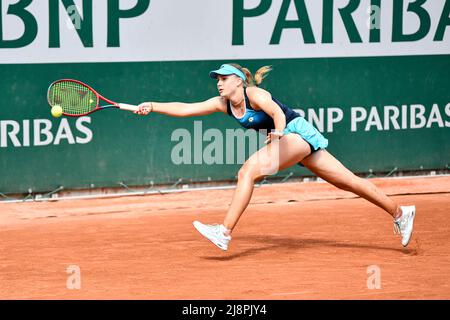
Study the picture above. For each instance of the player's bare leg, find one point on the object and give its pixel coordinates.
(327, 167)
(278, 155)
(274, 157)
(324, 165)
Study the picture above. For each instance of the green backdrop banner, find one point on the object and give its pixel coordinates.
(379, 113)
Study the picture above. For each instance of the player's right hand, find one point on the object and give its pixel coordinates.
(144, 109)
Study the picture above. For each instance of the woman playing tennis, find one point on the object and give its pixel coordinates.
(291, 140)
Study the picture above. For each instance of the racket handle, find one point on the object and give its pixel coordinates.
(128, 107)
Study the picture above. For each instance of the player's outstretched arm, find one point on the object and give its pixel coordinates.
(180, 109)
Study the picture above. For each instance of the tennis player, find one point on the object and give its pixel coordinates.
(291, 140)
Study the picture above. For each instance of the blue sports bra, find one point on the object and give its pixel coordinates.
(257, 120)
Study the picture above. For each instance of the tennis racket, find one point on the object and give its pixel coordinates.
(78, 99)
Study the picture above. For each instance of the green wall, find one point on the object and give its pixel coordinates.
(136, 150)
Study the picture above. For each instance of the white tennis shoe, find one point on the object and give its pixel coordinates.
(214, 233)
(404, 225)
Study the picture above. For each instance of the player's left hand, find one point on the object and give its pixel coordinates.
(273, 135)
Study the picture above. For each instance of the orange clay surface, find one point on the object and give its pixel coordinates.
(295, 241)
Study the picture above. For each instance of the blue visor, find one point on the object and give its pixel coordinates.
(226, 70)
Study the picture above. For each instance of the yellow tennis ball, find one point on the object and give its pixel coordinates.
(57, 111)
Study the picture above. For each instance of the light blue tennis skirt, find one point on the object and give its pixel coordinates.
(307, 131)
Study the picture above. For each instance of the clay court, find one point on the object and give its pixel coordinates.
(295, 241)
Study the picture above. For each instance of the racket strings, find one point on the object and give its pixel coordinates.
(74, 98)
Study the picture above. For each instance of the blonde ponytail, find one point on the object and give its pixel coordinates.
(259, 75)
(248, 76)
